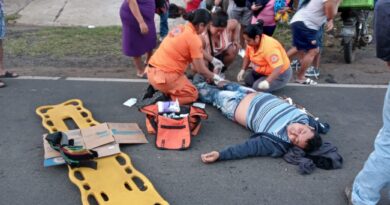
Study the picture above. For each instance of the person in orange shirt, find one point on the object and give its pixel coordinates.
(181, 47)
(269, 61)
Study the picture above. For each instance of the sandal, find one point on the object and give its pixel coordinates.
(307, 81)
(8, 74)
(2, 84)
(142, 76)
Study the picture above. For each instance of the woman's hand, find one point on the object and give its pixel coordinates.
(255, 7)
(329, 25)
(237, 45)
(240, 76)
(210, 157)
(144, 28)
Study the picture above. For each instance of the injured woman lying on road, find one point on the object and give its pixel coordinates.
(278, 125)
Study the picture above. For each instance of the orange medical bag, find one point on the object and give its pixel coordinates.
(174, 133)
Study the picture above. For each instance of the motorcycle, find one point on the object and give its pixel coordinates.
(354, 32)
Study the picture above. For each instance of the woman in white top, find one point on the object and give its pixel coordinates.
(224, 36)
(305, 26)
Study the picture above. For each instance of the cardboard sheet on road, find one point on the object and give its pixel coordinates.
(103, 138)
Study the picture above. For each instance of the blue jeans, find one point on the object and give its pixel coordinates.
(164, 24)
(226, 98)
(375, 174)
(2, 23)
(320, 37)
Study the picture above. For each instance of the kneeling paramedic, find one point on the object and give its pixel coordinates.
(182, 46)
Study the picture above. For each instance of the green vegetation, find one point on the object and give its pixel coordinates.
(65, 42)
(283, 34)
(80, 41)
(12, 17)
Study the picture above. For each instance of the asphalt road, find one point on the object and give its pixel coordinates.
(353, 113)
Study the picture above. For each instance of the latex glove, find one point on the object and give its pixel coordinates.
(263, 85)
(217, 79)
(240, 76)
(217, 63)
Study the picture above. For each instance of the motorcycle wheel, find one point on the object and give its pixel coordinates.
(349, 55)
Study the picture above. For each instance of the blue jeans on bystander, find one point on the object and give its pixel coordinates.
(375, 174)
(164, 24)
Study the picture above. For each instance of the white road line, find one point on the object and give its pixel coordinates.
(37, 78)
(108, 80)
(335, 85)
(323, 85)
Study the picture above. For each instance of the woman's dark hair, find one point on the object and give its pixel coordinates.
(198, 16)
(313, 143)
(219, 19)
(254, 30)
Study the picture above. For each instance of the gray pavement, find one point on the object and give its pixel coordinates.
(179, 176)
(72, 12)
(15, 6)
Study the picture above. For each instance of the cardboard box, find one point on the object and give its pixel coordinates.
(97, 136)
(103, 138)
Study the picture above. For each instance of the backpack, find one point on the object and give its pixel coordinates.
(173, 133)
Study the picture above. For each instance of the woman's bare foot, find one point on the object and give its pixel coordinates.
(2, 84)
(142, 75)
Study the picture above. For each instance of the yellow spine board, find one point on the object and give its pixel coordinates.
(115, 181)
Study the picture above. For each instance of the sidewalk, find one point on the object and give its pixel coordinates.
(72, 12)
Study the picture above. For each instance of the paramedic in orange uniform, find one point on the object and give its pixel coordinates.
(181, 47)
(267, 58)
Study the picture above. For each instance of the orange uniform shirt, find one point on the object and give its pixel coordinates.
(178, 49)
(269, 56)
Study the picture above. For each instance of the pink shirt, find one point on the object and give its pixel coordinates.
(267, 15)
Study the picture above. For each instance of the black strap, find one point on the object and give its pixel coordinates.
(211, 42)
(175, 127)
(210, 65)
(59, 142)
(90, 164)
(153, 122)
